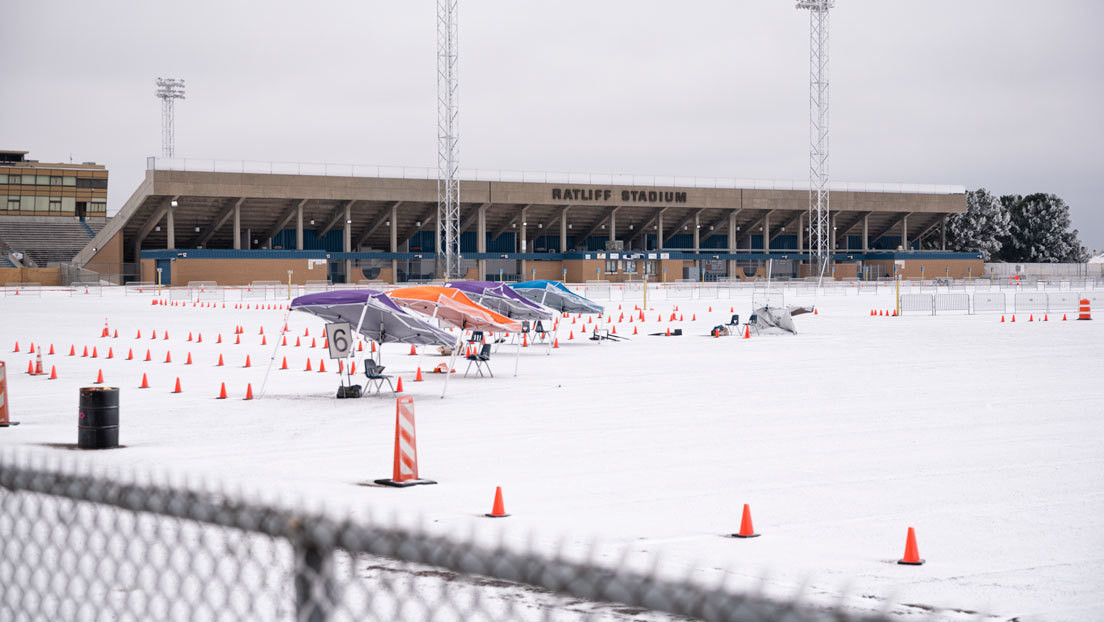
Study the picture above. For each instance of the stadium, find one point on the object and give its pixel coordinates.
(273, 390)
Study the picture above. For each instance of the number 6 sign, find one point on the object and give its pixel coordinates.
(340, 338)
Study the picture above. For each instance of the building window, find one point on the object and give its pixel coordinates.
(28, 180)
(68, 205)
(26, 204)
(630, 267)
(69, 180)
(55, 180)
(55, 204)
(98, 184)
(650, 267)
(43, 180)
(611, 266)
(3, 178)
(13, 204)
(15, 179)
(42, 204)
(97, 206)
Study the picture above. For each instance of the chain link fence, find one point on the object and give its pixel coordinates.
(80, 547)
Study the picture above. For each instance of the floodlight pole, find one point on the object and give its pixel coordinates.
(819, 230)
(168, 90)
(448, 153)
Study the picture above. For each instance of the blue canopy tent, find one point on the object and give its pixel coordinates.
(555, 295)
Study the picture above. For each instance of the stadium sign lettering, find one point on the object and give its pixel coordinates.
(604, 194)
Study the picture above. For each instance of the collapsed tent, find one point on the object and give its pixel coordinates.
(777, 320)
(556, 296)
(451, 306)
(501, 298)
(375, 315)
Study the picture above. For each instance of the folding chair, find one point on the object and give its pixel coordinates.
(539, 333)
(482, 361)
(735, 321)
(374, 372)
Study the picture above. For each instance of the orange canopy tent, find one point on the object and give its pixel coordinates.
(452, 307)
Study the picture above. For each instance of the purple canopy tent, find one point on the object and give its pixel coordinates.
(503, 299)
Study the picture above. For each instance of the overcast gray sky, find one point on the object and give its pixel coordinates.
(1005, 94)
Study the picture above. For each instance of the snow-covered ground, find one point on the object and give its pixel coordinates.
(984, 436)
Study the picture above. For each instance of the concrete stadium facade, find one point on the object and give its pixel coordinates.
(384, 226)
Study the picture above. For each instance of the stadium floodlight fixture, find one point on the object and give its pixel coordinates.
(173, 203)
(168, 90)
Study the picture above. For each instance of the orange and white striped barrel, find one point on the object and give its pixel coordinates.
(406, 446)
(1085, 312)
(3, 395)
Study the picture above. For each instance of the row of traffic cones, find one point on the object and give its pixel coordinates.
(1031, 318)
(883, 313)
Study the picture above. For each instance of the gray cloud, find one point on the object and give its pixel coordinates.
(1001, 94)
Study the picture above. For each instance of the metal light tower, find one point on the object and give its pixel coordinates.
(448, 127)
(168, 89)
(820, 229)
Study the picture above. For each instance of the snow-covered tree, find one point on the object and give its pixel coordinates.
(982, 228)
(1040, 231)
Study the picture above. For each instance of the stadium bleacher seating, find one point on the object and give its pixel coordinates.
(45, 241)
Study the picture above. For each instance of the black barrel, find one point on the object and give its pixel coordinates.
(99, 418)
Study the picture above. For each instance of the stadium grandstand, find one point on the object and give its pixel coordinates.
(238, 222)
(48, 211)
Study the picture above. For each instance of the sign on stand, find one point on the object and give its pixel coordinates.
(339, 336)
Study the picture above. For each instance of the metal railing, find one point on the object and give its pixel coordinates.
(82, 547)
(500, 175)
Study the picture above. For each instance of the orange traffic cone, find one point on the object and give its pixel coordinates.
(110, 353)
(815, 311)
(524, 341)
(31, 350)
(413, 352)
(912, 553)
(219, 340)
(747, 332)
(570, 335)
(148, 358)
(166, 337)
(398, 386)
(237, 339)
(314, 342)
(177, 388)
(308, 365)
(556, 343)
(219, 363)
(222, 392)
(283, 365)
(1046, 317)
(247, 362)
(746, 528)
(72, 350)
(264, 340)
(199, 338)
(154, 335)
(321, 365)
(16, 347)
(51, 352)
(249, 391)
(138, 335)
(1002, 319)
(1063, 317)
(130, 354)
(189, 337)
(53, 373)
(189, 361)
(99, 377)
(668, 331)
(297, 342)
(145, 382)
(498, 510)
(1013, 317)
(283, 340)
(30, 368)
(418, 376)
(1031, 318)
(168, 357)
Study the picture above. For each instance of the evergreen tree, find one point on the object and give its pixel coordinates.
(1039, 231)
(982, 228)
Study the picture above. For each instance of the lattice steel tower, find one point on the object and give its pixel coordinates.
(168, 89)
(820, 228)
(448, 154)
